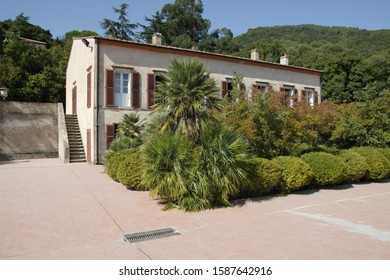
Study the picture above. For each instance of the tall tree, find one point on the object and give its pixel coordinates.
(121, 29)
(181, 23)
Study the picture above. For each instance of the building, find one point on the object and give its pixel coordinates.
(107, 78)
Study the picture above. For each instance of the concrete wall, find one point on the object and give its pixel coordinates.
(28, 130)
(63, 141)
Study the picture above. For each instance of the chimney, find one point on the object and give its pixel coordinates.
(284, 59)
(255, 55)
(156, 39)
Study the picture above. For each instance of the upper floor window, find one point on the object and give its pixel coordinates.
(122, 89)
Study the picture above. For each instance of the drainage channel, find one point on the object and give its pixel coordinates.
(149, 235)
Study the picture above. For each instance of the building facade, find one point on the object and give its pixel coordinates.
(107, 78)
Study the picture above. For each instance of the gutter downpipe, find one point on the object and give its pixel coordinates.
(97, 161)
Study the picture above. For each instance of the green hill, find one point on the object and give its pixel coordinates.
(356, 62)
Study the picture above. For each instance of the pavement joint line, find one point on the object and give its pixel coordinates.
(98, 201)
(346, 225)
(108, 213)
(328, 202)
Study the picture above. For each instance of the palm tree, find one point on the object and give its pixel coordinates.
(185, 94)
(130, 126)
(168, 166)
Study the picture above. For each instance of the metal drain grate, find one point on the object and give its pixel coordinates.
(149, 235)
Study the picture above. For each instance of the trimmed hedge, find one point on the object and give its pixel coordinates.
(296, 173)
(328, 169)
(378, 164)
(355, 166)
(129, 171)
(265, 177)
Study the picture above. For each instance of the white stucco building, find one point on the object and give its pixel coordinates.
(107, 78)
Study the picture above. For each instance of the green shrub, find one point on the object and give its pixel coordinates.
(265, 177)
(378, 165)
(386, 153)
(121, 144)
(129, 170)
(112, 164)
(328, 169)
(355, 166)
(296, 173)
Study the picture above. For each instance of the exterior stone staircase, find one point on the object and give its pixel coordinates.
(76, 148)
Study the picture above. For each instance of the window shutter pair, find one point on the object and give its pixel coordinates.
(135, 89)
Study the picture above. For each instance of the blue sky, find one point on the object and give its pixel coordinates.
(61, 16)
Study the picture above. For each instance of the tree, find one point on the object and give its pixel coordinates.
(181, 23)
(184, 95)
(120, 29)
(219, 41)
(130, 126)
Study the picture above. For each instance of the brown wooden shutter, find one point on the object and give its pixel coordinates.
(74, 100)
(151, 89)
(110, 134)
(284, 97)
(135, 86)
(110, 88)
(224, 88)
(303, 96)
(89, 96)
(316, 98)
(254, 91)
(295, 97)
(89, 145)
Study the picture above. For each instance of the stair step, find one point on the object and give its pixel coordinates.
(76, 148)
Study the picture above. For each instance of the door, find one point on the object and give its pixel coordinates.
(74, 100)
(89, 146)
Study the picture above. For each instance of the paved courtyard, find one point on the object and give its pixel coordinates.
(51, 210)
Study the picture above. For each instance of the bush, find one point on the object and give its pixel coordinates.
(386, 153)
(378, 165)
(112, 164)
(295, 173)
(265, 177)
(328, 169)
(121, 144)
(129, 170)
(355, 166)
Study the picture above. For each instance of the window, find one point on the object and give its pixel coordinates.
(226, 88)
(290, 95)
(309, 96)
(153, 79)
(122, 89)
(262, 87)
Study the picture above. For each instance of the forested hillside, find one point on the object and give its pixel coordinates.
(356, 62)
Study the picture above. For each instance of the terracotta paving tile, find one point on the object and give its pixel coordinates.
(50, 210)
